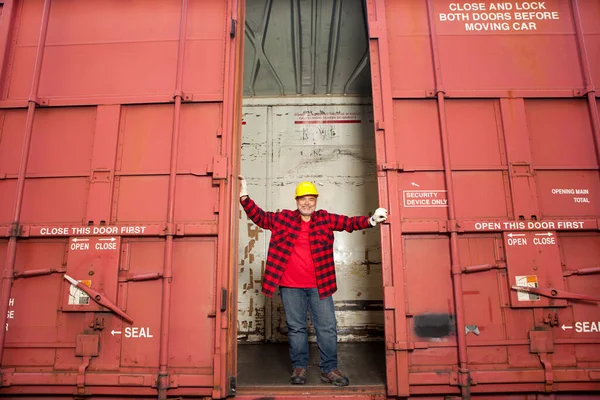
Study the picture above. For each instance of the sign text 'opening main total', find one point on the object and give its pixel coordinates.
(92, 230)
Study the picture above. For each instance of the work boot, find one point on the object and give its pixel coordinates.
(298, 376)
(336, 377)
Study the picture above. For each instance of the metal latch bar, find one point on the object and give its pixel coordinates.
(391, 166)
(554, 293)
(38, 272)
(142, 277)
(583, 271)
(482, 268)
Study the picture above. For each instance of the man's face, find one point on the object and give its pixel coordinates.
(306, 205)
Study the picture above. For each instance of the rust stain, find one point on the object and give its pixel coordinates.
(250, 307)
(253, 231)
(251, 281)
(248, 252)
(262, 268)
(358, 294)
(262, 272)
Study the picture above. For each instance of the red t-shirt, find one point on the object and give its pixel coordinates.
(300, 271)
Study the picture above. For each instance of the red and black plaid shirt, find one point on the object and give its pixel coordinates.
(285, 227)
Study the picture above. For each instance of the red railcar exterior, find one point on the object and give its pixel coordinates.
(488, 141)
(119, 151)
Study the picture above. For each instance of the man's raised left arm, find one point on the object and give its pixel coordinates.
(343, 223)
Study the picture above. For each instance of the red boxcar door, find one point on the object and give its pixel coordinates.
(488, 165)
(118, 194)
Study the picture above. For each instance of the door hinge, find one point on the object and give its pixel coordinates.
(374, 30)
(219, 167)
(389, 298)
(14, 229)
(223, 300)
(392, 166)
(232, 28)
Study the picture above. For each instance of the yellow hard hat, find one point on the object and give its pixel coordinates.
(306, 189)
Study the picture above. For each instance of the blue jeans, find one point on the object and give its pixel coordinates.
(296, 302)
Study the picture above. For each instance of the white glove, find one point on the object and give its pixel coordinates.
(244, 186)
(379, 215)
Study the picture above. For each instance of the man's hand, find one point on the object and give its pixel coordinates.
(244, 186)
(379, 216)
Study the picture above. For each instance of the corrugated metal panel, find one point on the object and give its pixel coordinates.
(488, 147)
(306, 47)
(117, 183)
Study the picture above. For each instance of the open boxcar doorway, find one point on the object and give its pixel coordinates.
(307, 115)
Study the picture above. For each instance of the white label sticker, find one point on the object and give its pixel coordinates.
(425, 198)
(78, 297)
(527, 281)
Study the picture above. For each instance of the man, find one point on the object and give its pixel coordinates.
(300, 261)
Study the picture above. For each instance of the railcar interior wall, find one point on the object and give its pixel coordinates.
(130, 270)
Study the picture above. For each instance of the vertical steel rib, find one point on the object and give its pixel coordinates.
(456, 271)
(163, 373)
(587, 77)
(334, 39)
(297, 43)
(313, 44)
(8, 273)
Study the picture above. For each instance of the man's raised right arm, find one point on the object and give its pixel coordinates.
(263, 219)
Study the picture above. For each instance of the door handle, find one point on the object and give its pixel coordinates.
(99, 298)
(554, 293)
